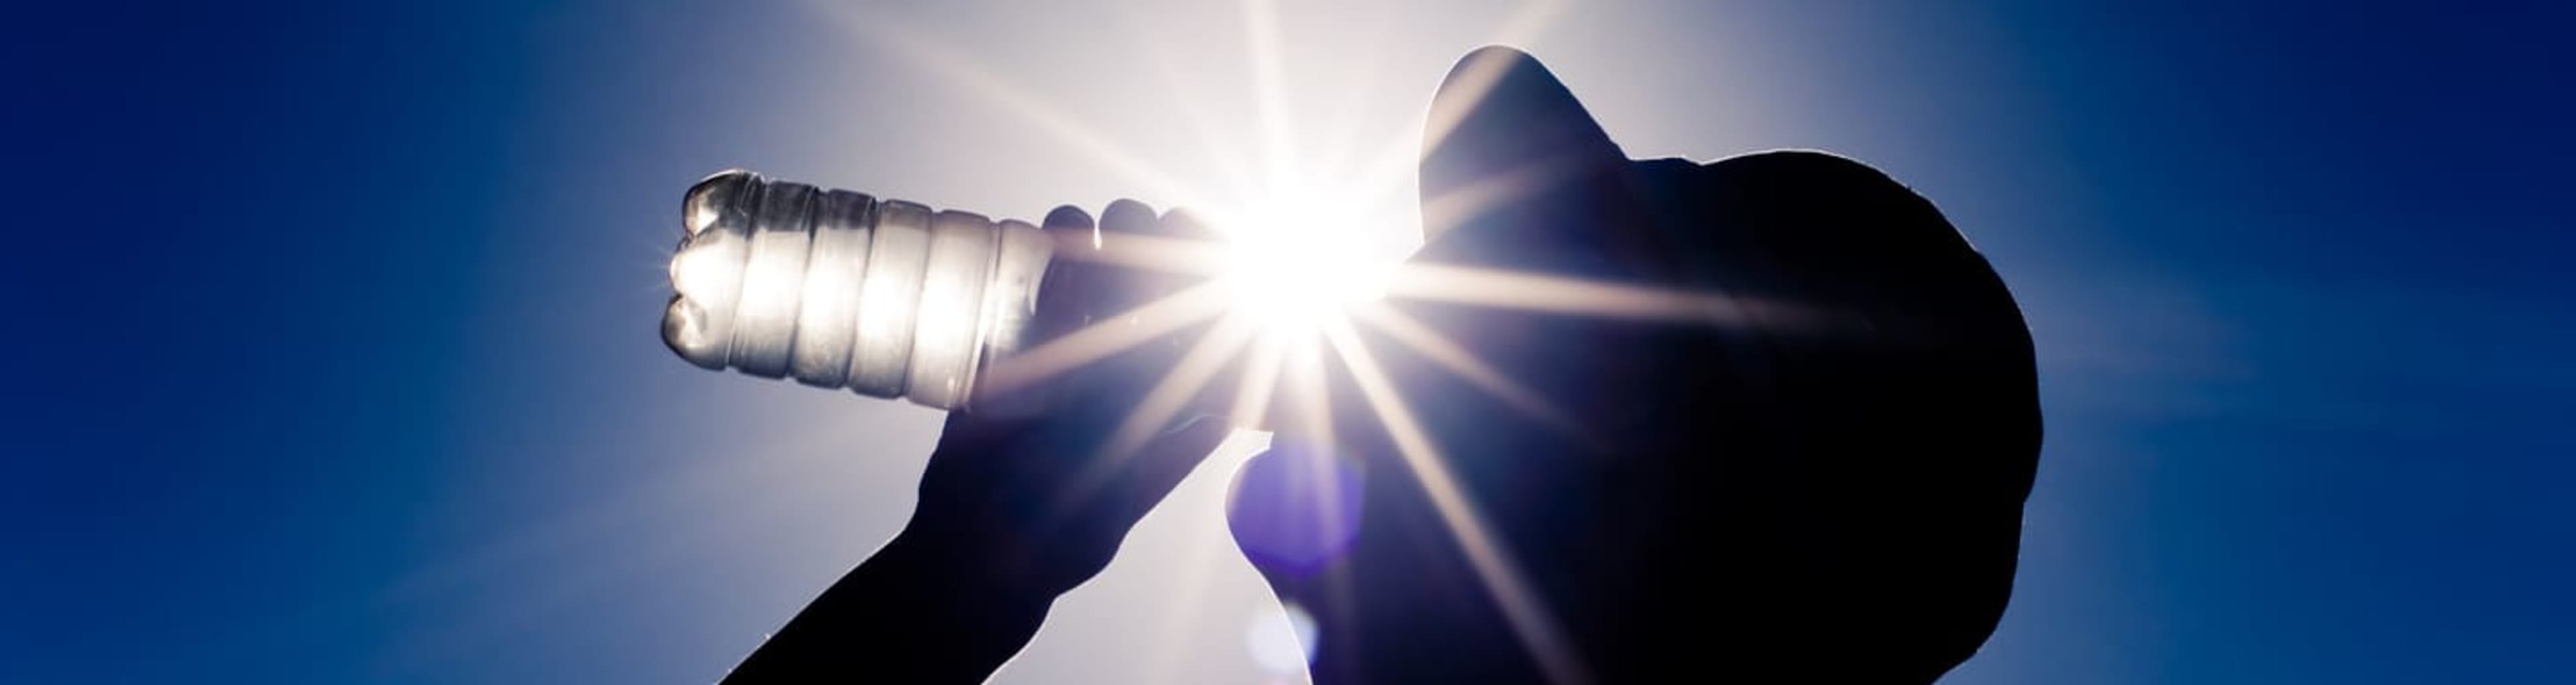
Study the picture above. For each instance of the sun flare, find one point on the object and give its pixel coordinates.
(1294, 262)
(1309, 262)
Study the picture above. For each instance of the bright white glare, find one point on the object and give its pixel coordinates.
(1282, 641)
(707, 274)
(1300, 258)
(1300, 263)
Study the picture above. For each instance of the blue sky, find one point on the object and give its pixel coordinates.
(336, 354)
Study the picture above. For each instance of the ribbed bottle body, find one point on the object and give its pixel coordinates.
(838, 289)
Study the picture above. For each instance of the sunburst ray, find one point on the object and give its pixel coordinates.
(1503, 288)
(1489, 556)
(1186, 380)
(908, 43)
(1432, 345)
(1143, 324)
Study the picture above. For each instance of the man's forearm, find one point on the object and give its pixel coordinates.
(905, 615)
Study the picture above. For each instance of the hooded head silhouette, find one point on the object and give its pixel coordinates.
(1765, 419)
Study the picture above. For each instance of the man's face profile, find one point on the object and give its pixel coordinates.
(1795, 439)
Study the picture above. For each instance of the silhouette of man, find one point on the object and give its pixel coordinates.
(1815, 473)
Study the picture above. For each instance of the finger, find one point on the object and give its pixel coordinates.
(1065, 303)
(1122, 224)
(1202, 252)
(1167, 460)
(1067, 217)
(1131, 230)
(1183, 223)
(1124, 289)
(1127, 216)
(1185, 227)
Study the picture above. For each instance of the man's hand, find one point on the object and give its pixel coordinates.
(1025, 497)
(1038, 494)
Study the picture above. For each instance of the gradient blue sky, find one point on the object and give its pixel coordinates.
(335, 354)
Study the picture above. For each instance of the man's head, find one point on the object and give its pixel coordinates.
(1785, 419)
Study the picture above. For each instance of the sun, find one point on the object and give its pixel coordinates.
(1297, 260)
(1308, 275)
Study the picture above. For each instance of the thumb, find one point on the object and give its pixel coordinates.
(1503, 131)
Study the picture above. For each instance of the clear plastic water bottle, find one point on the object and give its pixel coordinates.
(838, 289)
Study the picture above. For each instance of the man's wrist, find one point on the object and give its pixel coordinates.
(918, 610)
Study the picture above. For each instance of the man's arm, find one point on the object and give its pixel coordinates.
(905, 615)
(1017, 506)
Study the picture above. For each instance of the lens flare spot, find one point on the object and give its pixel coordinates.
(1283, 642)
(1295, 508)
